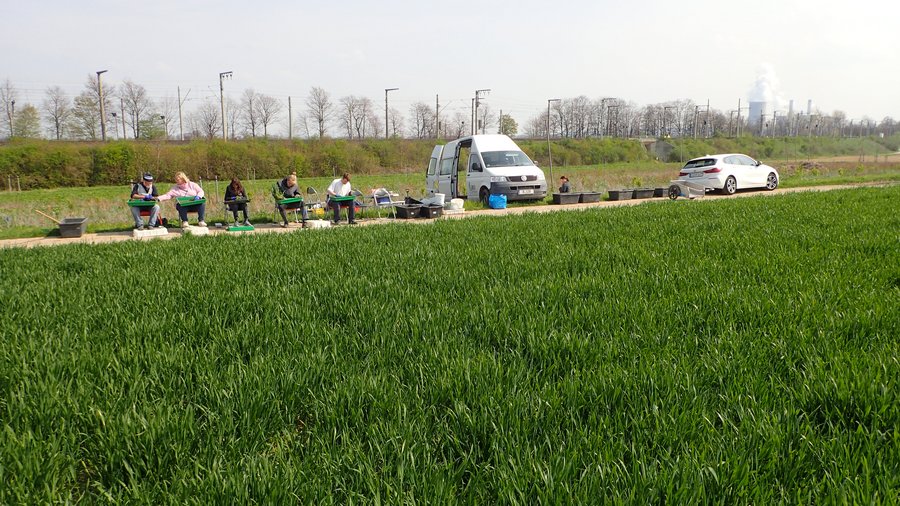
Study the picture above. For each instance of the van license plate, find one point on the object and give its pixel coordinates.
(526, 192)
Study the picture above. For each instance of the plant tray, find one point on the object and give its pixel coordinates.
(566, 198)
(620, 194)
(407, 211)
(590, 197)
(189, 201)
(290, 200)
(431, 211)
(141, 203)
(348, 198)
(72, 227)
(642, 193)
(240, 228)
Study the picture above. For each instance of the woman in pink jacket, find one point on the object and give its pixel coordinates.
(185, 188)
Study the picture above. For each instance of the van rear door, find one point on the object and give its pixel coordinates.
(431, 174)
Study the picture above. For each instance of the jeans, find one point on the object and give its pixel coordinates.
(234, 208)
(351, 210)
(281, 209)
(183, 211)
(138, 222)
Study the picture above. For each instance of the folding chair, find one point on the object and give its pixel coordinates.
(382, 198)
(290, 204)
(359, 202)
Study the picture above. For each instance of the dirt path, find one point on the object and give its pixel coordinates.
(108, 237)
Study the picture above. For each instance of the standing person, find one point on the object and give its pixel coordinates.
(564, 185)
(145, 190)
(285, 189)
(233, 191)
(340, 187)
(185, 188)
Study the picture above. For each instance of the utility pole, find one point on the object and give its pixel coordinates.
(122, 106)
(102, 112)
(738, 126)
(437, 117)
(222, 77)
(500, 123)
(386, 90)
(180, 104)
(477, 101)
(12, 117)
(290, 120)
(549, 153)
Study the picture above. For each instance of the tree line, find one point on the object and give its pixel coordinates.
(130, 112)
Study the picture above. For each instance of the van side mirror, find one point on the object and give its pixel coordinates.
(476, 167)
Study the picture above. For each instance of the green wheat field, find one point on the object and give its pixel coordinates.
(741, 351)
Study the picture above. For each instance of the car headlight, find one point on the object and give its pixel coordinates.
(498, 179)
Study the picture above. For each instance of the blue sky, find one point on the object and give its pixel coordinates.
(842, 55)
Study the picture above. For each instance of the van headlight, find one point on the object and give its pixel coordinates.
(498, 179)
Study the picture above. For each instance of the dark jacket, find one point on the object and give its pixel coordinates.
(230, 195)
(285, 190)
(565, 188)
(140, 189)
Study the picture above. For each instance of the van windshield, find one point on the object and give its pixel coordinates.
(505, 159)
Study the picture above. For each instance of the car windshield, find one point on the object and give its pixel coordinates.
(505, 159)
(700, 162)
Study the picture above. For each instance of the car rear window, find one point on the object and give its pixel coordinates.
(702, 162)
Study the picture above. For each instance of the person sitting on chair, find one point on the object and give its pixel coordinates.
(145, 190)
(185, 188)
(234, 191)
(340, 187)
(564, 185)
(284, 189)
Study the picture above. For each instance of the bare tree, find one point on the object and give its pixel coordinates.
(84, 122)
(8, 95)
(233, 116)
(137, 105)
(347, 112)
(319, 105)
(249, 111)
(396, 122)
(267, 111)
(486, 116)
(457, 125)
(57, 110)
(422, 126)
(206, 120)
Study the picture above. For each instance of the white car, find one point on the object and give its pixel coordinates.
(729, 172)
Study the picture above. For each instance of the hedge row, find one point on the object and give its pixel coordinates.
(50, 164)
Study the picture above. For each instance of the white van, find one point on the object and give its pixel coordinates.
(483, 165)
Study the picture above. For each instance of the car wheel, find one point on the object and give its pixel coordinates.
(674, 192)
(483, 196)
(771, 181)
(730, 186)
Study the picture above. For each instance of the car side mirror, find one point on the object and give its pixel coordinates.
(758, 163)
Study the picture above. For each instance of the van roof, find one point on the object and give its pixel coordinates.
(491, 142)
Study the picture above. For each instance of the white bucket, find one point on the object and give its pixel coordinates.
(455, 204)
(439, 199)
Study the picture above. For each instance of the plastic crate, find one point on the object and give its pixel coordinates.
(407, 211)
(590, 197)
(620, 194)
(72, 227)
(642, 193)
(431, 211)
(566, 198)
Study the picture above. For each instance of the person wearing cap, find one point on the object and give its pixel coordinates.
(340, 187)
(185, 188)
(145, 190)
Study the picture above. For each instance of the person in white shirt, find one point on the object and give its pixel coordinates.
(340, 187)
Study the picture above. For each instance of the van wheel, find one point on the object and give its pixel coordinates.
(483, 195)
